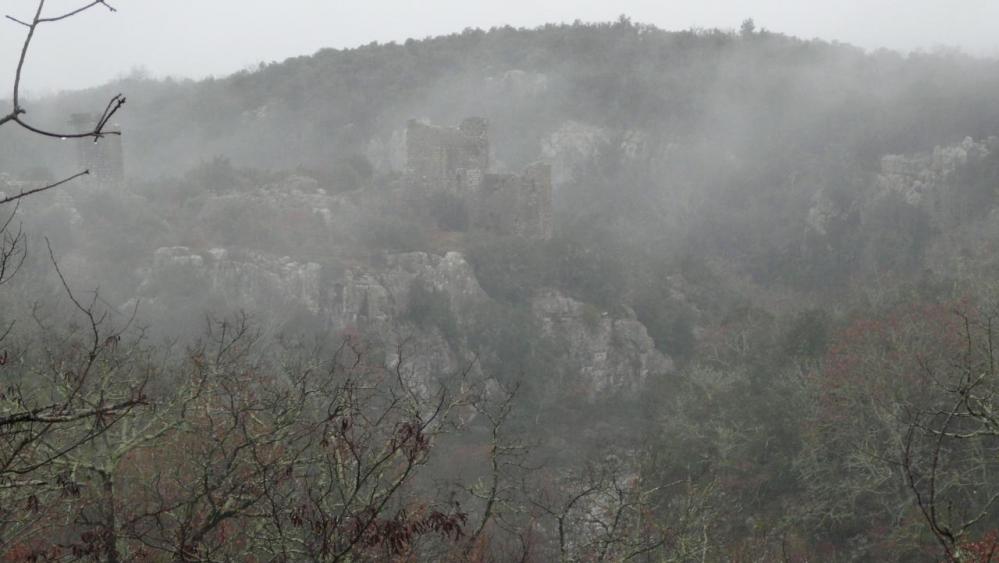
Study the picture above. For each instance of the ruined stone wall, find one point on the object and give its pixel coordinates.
(104, 158)
(106, 161)
(471, 143)
(447, 158)
(535, 202)
(520, 205)
(456, 161)
(424, 154)
(493, 207)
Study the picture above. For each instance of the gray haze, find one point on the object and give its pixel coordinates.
(588, 291)
(189, 38)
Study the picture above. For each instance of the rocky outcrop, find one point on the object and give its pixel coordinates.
(827, 211)
(598, 354)
(923, 179)
(425, 358)
(388, 154)
(604, 354)
(296, 200)
(380, 292)
(376, 297)
(267, 280)
(519, 83)
(930, 181)
(571, 147)
(574, 145)
(248, 280)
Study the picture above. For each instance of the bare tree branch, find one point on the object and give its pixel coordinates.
(33, 191)
(17, 110)
(77, 11)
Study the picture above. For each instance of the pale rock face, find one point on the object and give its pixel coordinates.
(261, 113)
(176, 257)
(388, 154)
(822, 212)
(451, 274)
(571, 146)
(574, 144)
(919, 177)
(300, 184)
(609, 355)
(253, 281)
(361, 297)
(426, 359)
(522, 83)
(397, 150)
(266, 280)
(377, 298)
(600, 355)
(381, 294)
(296, 196)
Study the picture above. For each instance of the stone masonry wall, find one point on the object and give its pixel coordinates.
(456, 161)
(447, 158)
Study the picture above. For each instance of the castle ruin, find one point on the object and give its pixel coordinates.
(102, 157)
(455, 160)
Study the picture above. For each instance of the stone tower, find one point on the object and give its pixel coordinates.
(103, 157)
(513, 204)
(447, 159)
(455, 160)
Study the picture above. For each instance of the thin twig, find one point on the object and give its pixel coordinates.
(33, 191)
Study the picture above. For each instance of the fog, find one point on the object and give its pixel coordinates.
(500, 283)
(186, 38)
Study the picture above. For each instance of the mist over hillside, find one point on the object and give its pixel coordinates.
(588, 292)
(700, 119)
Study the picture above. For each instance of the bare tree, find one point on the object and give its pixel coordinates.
(18, 112)
(950, 449)
(252, 452)
(47, 412)
(73, 388)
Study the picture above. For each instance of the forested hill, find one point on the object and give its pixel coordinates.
(761, 94)
(770, 280)
(732, 145)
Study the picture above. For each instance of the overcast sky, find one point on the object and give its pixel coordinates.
(196, 38)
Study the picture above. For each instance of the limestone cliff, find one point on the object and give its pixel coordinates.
(604, 355)
(596, 354)
(572, 146)
(925, 179)
(380, 292)
(245, 280)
